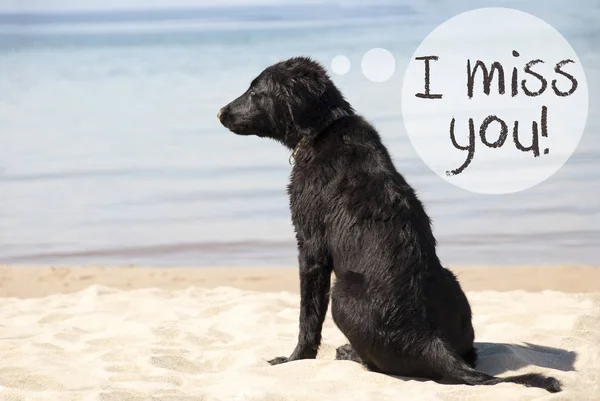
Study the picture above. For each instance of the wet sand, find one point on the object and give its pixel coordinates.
(36, 281)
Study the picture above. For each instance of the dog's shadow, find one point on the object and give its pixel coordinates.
(497, 358)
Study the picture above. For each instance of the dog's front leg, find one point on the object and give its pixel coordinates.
(315, 280)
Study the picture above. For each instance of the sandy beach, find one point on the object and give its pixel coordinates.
(133, 333)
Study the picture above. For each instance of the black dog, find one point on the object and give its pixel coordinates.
(355, 215)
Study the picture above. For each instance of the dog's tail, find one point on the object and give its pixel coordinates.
(454, 368)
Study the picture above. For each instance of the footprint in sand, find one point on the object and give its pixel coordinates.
(122, 367)
(176, 363)
(166, 333)
(72, 334)
(169, 397)
(130, 377)
(121, 395)
(55, 318)
(23, 379)
(170, 351)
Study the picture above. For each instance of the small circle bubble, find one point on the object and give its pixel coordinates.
(340, 64)
(378, 65)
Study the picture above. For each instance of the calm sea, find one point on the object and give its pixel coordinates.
(111, 153)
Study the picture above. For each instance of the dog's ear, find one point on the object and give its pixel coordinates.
(309, 108)
(312, 100)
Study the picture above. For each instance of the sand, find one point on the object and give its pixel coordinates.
(90, 333)
(36, 281)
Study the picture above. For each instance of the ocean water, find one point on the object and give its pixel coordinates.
(111, 152)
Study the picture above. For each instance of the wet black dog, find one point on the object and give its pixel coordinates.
(355, 215)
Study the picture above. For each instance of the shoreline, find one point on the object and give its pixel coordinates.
(39, 281)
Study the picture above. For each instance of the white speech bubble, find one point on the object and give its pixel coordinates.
(544, 91)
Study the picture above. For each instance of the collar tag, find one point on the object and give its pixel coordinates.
(296, 149)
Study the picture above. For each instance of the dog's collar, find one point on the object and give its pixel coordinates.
(340, 113)
(299, 145)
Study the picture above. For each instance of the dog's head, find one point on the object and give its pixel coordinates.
(288, 101)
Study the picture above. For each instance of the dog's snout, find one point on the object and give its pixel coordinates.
(223, 113)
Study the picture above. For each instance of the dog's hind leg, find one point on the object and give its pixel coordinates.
(347, 353)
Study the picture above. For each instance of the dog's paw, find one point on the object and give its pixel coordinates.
(278, 360)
